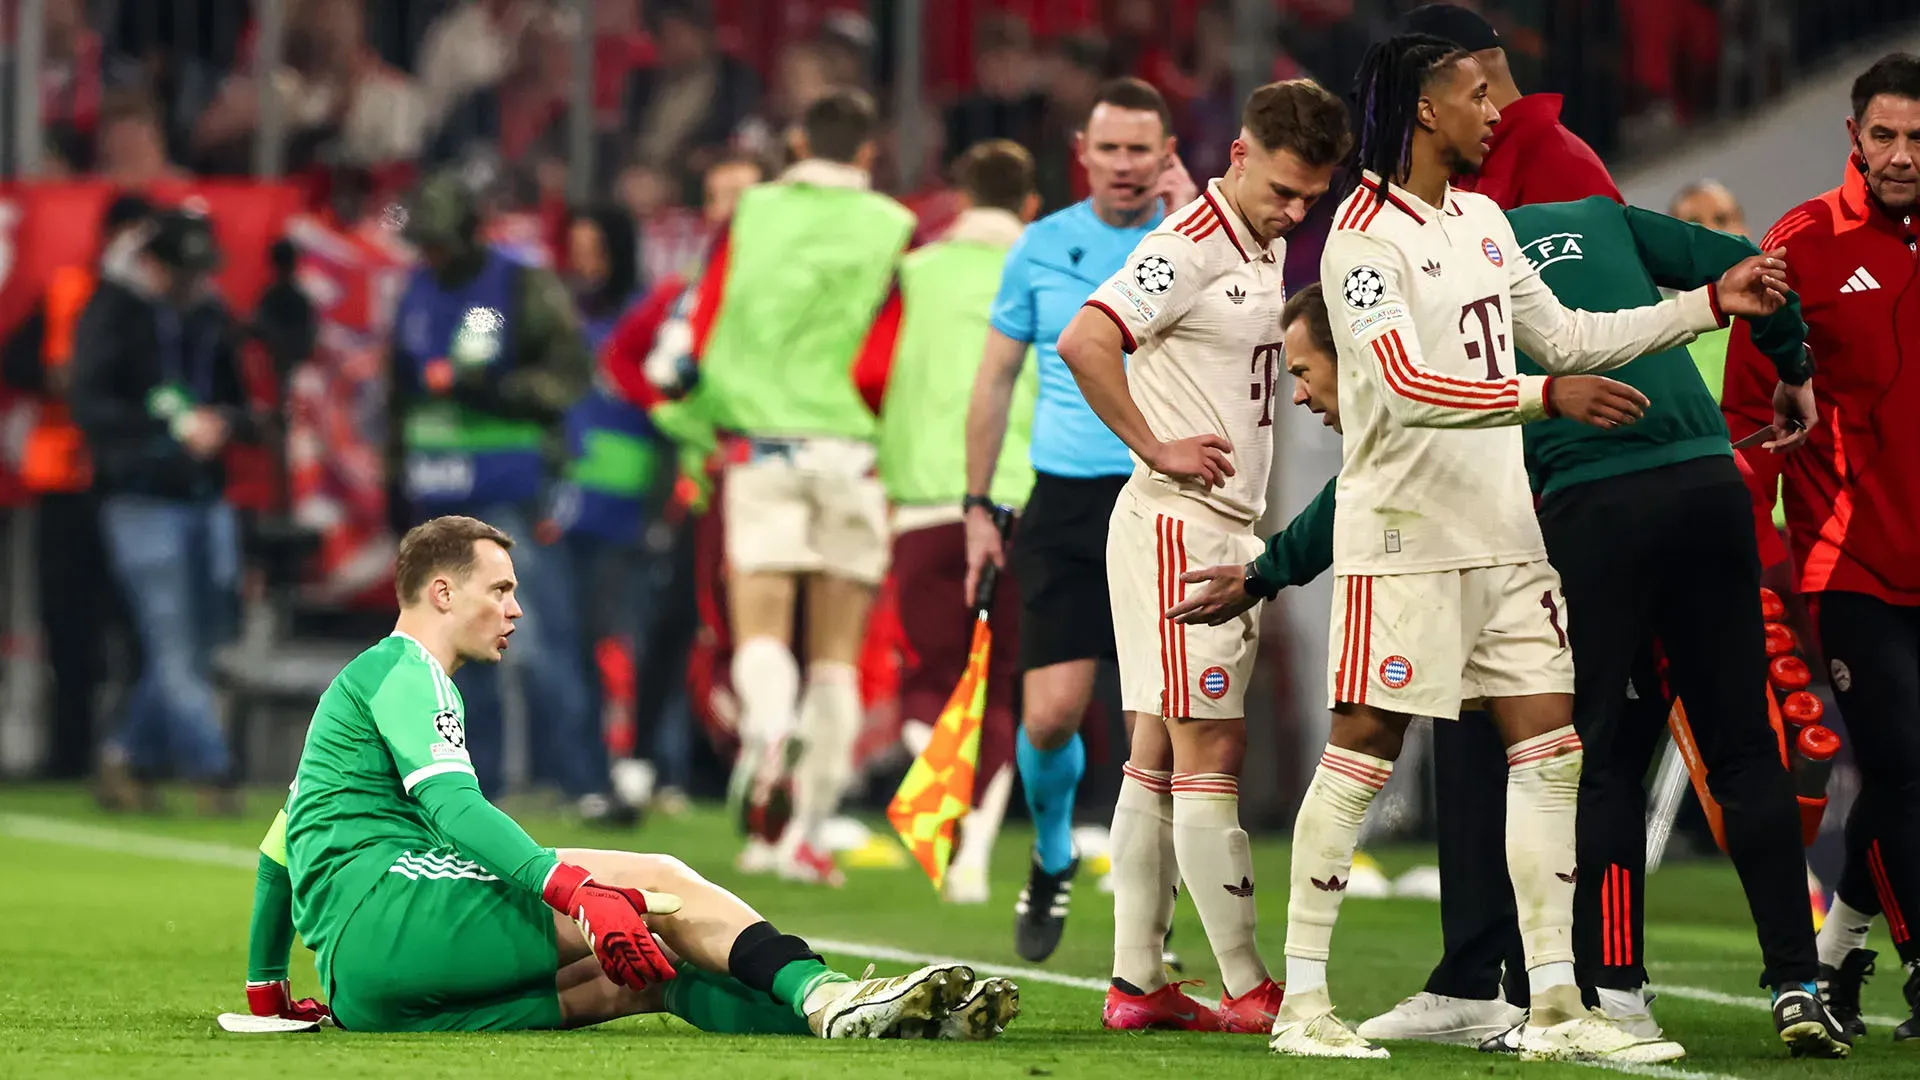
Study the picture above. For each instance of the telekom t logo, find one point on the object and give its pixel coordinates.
(1491, 344)
(1264, 359)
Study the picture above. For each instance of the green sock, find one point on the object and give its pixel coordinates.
(718, 1004)
(796, 979)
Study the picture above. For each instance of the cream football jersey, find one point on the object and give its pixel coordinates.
(1198, 303)
(1427, 305)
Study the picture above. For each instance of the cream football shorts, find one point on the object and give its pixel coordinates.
(1425, 644)
(1167, 669)
(804, 506)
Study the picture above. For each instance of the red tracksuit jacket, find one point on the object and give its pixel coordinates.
(1853, 492)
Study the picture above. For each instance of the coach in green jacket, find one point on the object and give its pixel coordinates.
(1651, 529)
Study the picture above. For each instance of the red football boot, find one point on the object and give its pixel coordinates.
(1252, 1013)
(1167, 1007)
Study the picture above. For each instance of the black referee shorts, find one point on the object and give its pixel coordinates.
(1060, 558)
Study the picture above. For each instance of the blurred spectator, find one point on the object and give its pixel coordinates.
(1076, 69)
(599, 511)
(1672, 59)
(469, 49)
(805, 73)
(688, 104)
(1209, 106)
(1005, 102)
(72, 85)
(522, 113)
(726, 180)
(1709, 203)
(335, 94)
(157, 389)
(132, 148)
(77, 602)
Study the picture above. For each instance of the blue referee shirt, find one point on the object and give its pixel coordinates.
(1054, 266)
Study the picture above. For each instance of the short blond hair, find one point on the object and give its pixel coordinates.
(440, 545)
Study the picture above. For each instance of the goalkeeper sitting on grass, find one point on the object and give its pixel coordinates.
(431, 910)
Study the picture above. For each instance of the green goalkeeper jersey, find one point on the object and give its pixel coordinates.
(389, 722)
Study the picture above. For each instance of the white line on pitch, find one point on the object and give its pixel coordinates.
(127, 842)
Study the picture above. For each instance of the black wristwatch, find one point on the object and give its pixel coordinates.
(980, 501)
(1254, 586)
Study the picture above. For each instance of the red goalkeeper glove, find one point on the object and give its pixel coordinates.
(275, 999)
(613, 920)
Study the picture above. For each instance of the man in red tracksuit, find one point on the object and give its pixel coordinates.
(1853, 502)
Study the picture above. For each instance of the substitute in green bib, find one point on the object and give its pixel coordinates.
(429, 909)
(1649, 524)
(945, 297)
(770, 350)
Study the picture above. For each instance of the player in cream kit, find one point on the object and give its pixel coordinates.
(1443, 593)
(1197, 304)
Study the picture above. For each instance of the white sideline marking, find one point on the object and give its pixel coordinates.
(127, 842)
(124, 841)
(1715, 997)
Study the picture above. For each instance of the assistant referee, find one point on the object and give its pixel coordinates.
(1060, 549)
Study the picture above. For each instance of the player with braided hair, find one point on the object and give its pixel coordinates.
(1444, 596)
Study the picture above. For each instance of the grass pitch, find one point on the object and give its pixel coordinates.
(122, 938)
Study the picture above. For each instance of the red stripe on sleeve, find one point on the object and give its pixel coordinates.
(1125, 334)
(1408, 382)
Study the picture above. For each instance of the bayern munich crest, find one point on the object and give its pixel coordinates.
(1213, 682)
(1396, 672)
(1493, 252)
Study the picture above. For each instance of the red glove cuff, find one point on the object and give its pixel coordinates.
(1546, 398)
(562, 881)
(268, 999)
(1713, 298)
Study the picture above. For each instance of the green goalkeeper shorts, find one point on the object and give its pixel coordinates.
(440, 944)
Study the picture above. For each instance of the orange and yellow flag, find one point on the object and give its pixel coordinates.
(938, 789)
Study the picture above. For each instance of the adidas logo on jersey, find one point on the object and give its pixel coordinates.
(1332, 884)
(1432, 268)
(1860, 281)
(1242, 890)
(1237, 294)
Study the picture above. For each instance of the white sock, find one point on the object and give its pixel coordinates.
(830, 719)
(1543, 791)
(766, 679)
(1324, 834)
(1620, 1003)
(1216, 862)
(1845, 930)
(1145, 876)
(1305, 976)
(979, 828)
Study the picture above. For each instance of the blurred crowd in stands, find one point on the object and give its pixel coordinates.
(691, 102)
(135, 91)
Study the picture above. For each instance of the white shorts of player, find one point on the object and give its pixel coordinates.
(1167, 669)
(1429, 644)
(803, 506)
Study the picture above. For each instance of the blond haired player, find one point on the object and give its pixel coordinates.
(1443, 593)
(1198, 305)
